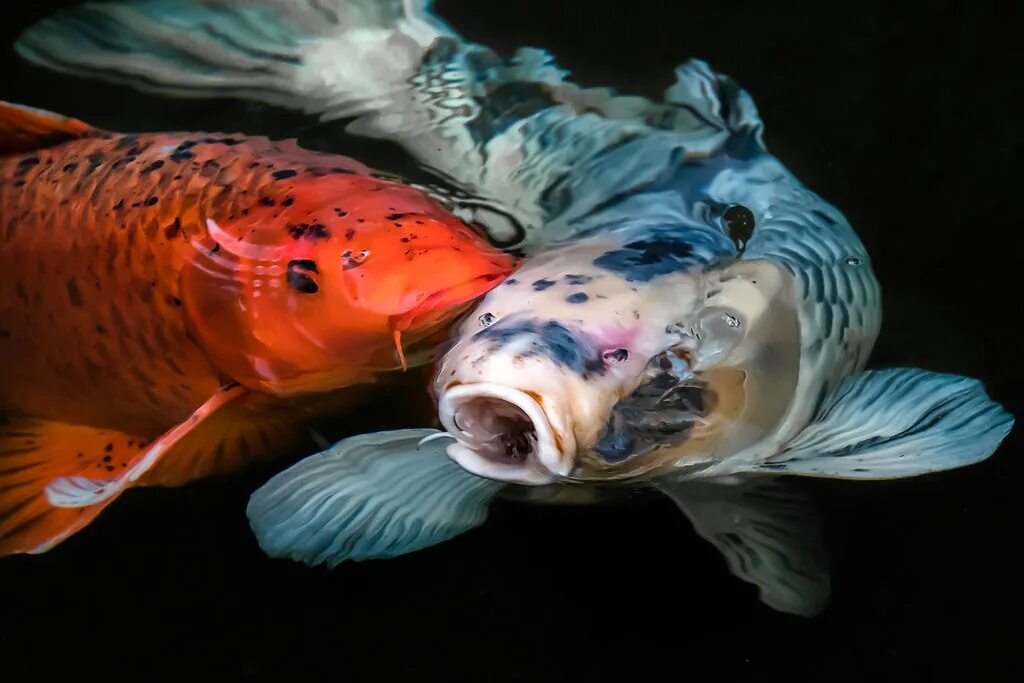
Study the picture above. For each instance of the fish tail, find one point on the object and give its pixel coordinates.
(511, 133)
(269, 50)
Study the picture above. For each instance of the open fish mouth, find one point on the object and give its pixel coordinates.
(504, 433)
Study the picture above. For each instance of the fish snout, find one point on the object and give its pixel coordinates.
(507, 433)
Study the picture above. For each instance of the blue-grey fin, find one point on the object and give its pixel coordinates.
(256, 49)
(885, 424)
(769, 533)
(371, 496)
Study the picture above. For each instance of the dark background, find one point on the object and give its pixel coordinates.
(904, 115)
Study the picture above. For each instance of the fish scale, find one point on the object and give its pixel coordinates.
(117, 256)
(153, 326)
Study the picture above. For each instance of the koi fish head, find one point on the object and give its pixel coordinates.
(322, 287)
(603, 360)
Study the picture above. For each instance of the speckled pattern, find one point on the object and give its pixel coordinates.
(140, 274)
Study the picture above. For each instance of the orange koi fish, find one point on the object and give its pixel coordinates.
(172, 303)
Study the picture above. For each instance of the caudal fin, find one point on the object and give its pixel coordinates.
(534, 157)
(315, 55)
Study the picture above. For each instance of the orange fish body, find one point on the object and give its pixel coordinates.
(170, 302)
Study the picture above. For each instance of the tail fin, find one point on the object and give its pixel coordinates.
(315, 55)
(533, 149)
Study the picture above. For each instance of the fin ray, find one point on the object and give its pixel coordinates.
(37, 453)
(884, 424)
(370, 496)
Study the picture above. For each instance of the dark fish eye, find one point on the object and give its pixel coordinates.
(615, 356)
(298, 276)
(487, 319)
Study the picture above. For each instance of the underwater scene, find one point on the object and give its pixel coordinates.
(399, 340)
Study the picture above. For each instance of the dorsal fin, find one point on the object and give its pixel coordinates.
(23, 129)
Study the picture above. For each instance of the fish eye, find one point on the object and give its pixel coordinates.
(487, 319)
(615, 356)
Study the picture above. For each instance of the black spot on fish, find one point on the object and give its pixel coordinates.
(95, 161)
(109, 447)
(74, 295)
(159, 163)
(350, 233)
(575, 350)
(395, 216)
(288, 201)
(284, 173)
(578, 279)
(267, 201)
(230, 142)
(511, 281)
(541, 285)
(68, 168)
(739, 223)
(172, 230)
(126, 141)
(644, 260)
(150, 201)
(577, 298)
(182, 154)
(119, 205)
(298, 277)
(307, 231)
(339, 213)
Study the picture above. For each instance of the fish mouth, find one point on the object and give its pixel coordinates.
(504, 433)
(438, 307)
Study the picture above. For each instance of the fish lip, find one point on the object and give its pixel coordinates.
(550, 460)
(455, 299)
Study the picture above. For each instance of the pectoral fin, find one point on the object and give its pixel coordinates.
(231, 433)
(894, 423)
(370, 496)
(56, 477)
(42, 466)
(769, 534)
